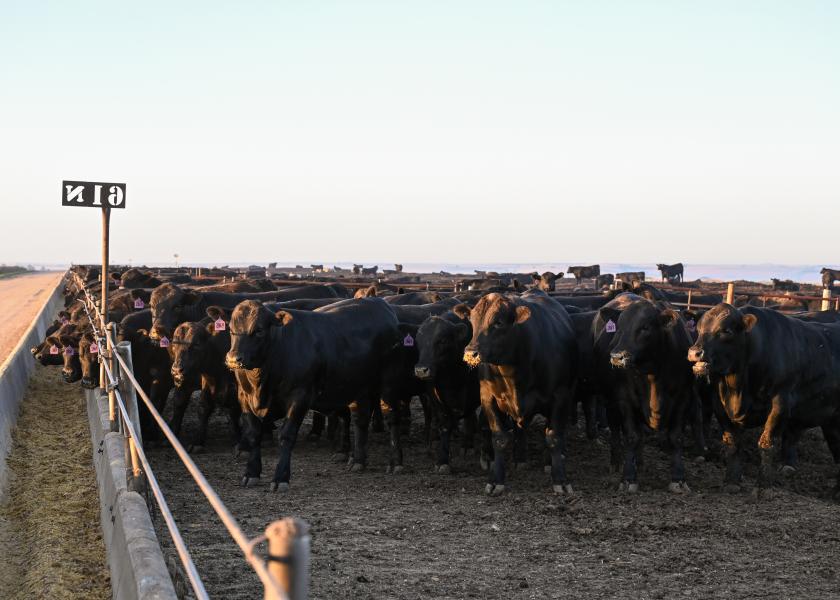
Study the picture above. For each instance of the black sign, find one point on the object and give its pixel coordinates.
(90, 193)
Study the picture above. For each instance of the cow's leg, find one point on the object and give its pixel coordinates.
(404, 414)
(675, 441)
(616, 453)
(632, 437)
(789, 456)
(318, 421)
(234, 417)
(447, 423)
(342, 419)
(697, 424)
(426, 403)
(765, 442)
(500, 440)
(180, 401)
(392, 411)
(831, 433)
(470, 426)
(520, 447)
(589, 403)
(252, 428)
(486, 451)
(378, 421)
(732, 439)
(556, 442)
(360, 416)
(333, 422)
(205, 409)
(298, 403)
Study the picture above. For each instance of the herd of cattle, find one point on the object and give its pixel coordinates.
(488, 359)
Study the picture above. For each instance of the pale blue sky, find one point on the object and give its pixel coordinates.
(426, 131)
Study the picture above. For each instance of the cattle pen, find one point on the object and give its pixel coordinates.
(426, 533)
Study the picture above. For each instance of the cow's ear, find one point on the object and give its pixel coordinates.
(53, 341)
(368, 292)
(669, 317)
(609, 314)
(191, 297)
(283, 317)
(463, 311)
(215, 312)
(749, 322)
(535, 276)
(523, 313)
(116, 276)
(462, 331)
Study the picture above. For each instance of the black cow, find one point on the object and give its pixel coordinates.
(640, 349)
(370, 270)
(786, 286)
(172, 305)
(293, 361)
(134, 278)
(605, 280)
(547, 281)
(770, 371)
(453, 385)
(525, 348)
(357, 269)
(197, 352)
(829, 276)
(582, 273)
(413, 298)
(672, 273)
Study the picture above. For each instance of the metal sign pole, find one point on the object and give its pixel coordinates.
(106, 230)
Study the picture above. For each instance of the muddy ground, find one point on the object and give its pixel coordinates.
(424, 535)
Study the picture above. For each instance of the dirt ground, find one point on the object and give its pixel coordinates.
(50, 537)
(424, 535)
(21, 297)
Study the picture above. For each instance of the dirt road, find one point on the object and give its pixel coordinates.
(21, 298)
(425, 535)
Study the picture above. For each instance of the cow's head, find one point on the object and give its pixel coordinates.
(640, 334)
(547, 281)
(440, 344)
(168, 303)
(495, 321)
(67, 345)
(89, 360)
(250, 334)
(186, 348)
(722, 341)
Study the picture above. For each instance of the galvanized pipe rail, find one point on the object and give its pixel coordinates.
(113, 366)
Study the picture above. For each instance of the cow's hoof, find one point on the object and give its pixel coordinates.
(357, 467)
(629, 487)
(732, 488)
(492, 489)
(787, 470)
(547, 469)
(339, 457)
(484, 464)
(280, 486)
(195, 449)
(678, 487)
(250, 481)
(563, 489)
(443, 469)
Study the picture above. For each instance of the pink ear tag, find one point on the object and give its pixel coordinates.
(164, 342)
(408, 341)
(219, 324)
(94, 348)
(53, 349)
(609, 327)
(138, 303)
(69, 351)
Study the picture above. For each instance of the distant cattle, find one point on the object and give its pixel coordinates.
(605, 280)
(370, 270)
(547, 281)
(786, 286)
(317, 268)
(829, 276)
(631, 276)
(582, 273)
(357, 269)
(671, 273)
(398, 268)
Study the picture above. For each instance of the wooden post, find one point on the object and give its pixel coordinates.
(106, 235)
(112, 399)
(688, 303)
(129, 395)
(826, 299)
(288, 562)
(730, 293)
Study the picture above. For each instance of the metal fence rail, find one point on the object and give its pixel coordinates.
(287, 575)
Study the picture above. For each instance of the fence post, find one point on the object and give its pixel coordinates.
(109, 356)
(730, 293)
(288, 557)
(129, 395)
(688, 302)
(826, 299)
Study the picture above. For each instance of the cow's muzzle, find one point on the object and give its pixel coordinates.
(422, 373)
(472, 357)
(88, 383)
(234, 362)
(622, 360)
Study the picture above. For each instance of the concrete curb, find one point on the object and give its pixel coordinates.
(15, 372)
(138, 569)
